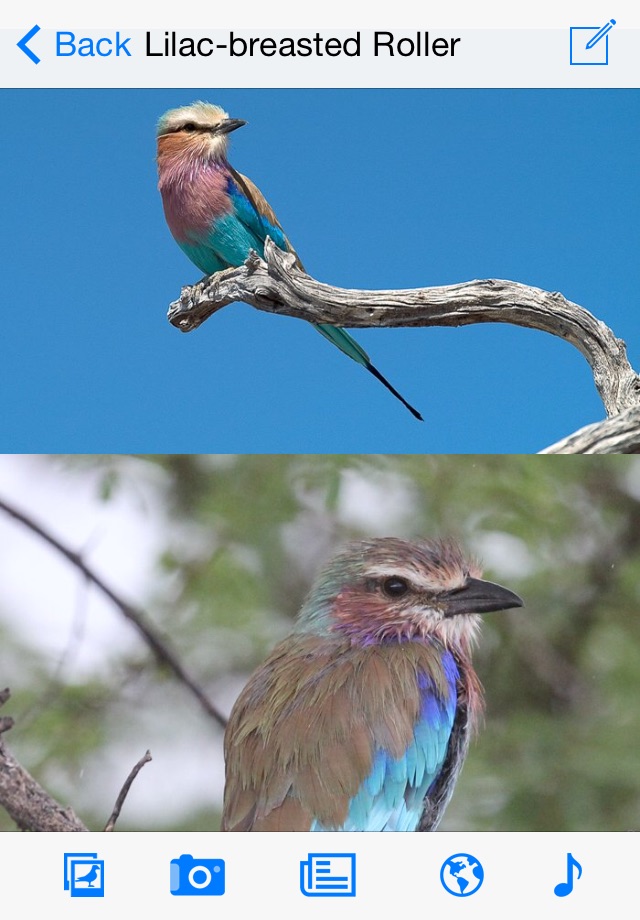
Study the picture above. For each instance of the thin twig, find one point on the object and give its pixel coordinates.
(156, 643)
(124, 792)
(54, 687)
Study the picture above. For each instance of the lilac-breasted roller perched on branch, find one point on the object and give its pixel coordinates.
(215, 214)
(360, 719)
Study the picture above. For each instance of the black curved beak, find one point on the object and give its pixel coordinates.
(229, 125)
(478, 596)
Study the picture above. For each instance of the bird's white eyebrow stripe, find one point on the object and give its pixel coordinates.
(397, 571)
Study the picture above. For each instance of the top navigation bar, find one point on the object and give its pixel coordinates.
(590, 52)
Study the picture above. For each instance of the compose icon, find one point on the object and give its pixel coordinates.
(84, 875)
(190, 876)
(590, 44)
(328, 875)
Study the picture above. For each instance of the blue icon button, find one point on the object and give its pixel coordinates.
(84, 875)
(328, 875)
(590, 44)
(562, 889)
(461, 875)
(191, 876)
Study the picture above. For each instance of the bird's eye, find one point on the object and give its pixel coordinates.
(395, 587)
(189, 126)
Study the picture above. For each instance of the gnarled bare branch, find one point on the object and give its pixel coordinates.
(618, 435)
(277, 286)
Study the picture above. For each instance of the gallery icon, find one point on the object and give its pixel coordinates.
(461, 875)
(84, 875)
(190, 876)
(328, 875)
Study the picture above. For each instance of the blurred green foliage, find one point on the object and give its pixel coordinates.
(243, 537)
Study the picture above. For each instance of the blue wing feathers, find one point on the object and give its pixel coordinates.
(375, 780)
(258, 225)
(391, 797)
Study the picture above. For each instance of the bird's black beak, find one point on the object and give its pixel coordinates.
(228, 125)
(478, 596)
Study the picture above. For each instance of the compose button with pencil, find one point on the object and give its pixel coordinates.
(590, 44)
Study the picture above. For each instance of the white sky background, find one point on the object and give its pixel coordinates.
(119, 539)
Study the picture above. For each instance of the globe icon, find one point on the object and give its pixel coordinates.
(461, 875)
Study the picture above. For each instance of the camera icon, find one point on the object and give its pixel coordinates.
(191, 876)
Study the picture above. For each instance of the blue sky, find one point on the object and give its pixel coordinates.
(376, 189)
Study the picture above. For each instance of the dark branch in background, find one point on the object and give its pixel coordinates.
(124, 792)
(6, 722)
(277, 286)
(156, 643)
(24, 800)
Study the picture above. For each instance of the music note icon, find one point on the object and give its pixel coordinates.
(565, 888)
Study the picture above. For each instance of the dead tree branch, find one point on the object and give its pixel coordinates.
(24, 800)
(618, 435)
(276, 286)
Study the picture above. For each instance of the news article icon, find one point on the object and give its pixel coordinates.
(190, 876)
(590, 44)
(328, 875)
(461, 875)
(84, 875)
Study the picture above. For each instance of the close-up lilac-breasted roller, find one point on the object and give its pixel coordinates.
(360, 720)
(216, 215)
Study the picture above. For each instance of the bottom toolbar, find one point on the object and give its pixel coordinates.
(174, 873)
